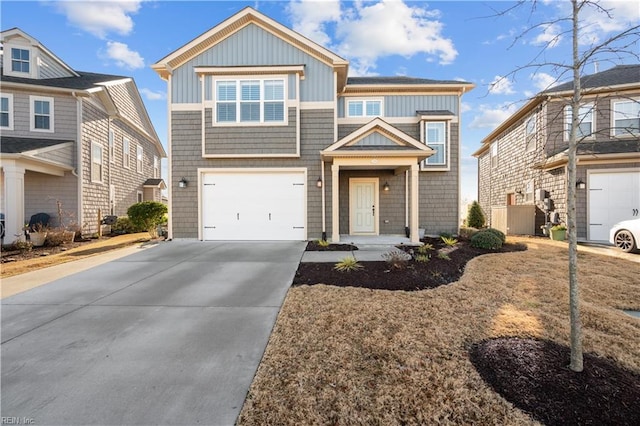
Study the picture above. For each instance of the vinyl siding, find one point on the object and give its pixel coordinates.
(50, 68)
(406, 106)
(128, 101)
(63, 155)
(42, 191)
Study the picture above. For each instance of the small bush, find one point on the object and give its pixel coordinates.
(449, 241)
(443, 256)
(446, 235)
(323, 243)
(348, 264)
(498, 234)
(475, 216)
(21, 246)
(486, 240)
(425, 248)
(397, 259)
(124, 225)
(54, 239)
(147, 215)
(466, 232)
(559, 228)
(422, 258)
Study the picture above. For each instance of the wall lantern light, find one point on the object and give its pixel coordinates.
(319, 183)
(580, 184)
(385, 187)
(183, 183)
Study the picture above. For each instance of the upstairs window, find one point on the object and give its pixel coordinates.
(96, 162)
(41, 114)
(156, 167)
(626, 118)
(528, 192)
(20, 60)
(250, 101)
(112, 146)
(436, 137)
(530, 134)
(364, 108)
(139, 159)
(126, 153)
(585, 122)
(6, 111)
(494, 155)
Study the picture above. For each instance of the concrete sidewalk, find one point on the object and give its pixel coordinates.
(365, 253)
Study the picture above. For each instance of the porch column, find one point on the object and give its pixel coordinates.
(13, 201)
(335, 203)
(415, 232)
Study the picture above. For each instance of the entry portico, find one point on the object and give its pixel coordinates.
(373, 147)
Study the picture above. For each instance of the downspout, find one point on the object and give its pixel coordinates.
(460, 213)
(406, 203)
(169, 168)
(324, 209)
(79, 168)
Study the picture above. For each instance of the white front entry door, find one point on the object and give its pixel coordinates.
(363, 206)
(613, 197)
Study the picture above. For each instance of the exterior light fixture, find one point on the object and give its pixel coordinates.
(580, 184)
(385, 187)
(183, 183)
(319, 183)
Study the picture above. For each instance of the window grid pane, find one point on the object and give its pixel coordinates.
(226, 112)
(249, 111)
(20, 60)
(435, 138)
(627, 118)
(373, 108)
(355, 108)
(274, 111)
(226, 91)
(274, 90)
(250, 90)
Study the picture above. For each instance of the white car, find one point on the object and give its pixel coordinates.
(625, 235)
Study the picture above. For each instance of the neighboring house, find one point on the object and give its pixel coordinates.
(522, 164)
(80, 138)
(270, 140)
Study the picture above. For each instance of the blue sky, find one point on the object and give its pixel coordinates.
(463, 40)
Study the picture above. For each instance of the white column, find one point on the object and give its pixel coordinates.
(415, 232)
(335, 203)
(14, 201)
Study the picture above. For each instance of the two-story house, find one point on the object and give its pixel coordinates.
(522, 164)
(269, 139)
(82, 139)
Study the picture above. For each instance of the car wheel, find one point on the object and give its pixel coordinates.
(624, 241)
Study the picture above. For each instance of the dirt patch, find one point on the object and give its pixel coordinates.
(415, 275)
(533, 375)
(9, 255)
(314, 246)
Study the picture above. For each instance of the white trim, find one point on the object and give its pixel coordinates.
(363, 101)
(317, 105)
(187, 107)
(9, 96)
(170, 163)
(112, 144)
(398, 120)
(567, 110)
(139, 159)
(32, 118)
(376, 202)
(93, 163)
(250, 155)
(613, 119)
(126, 153)
(8, 60)
(156, 167)
(533, 135)
(444, 144)
(251, 70)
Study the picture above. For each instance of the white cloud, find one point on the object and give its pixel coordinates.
(491, 117)
(365, 32)
(153, 96)
(549, 37)
(124, 57)
(464, 107)
(501, 86)
(100, 17)
(543, 81)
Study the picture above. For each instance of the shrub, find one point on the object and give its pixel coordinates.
(423, 258)
(147, 215)
(397, 259)
(323, 243)
(475, 216)
(348, 264)
(486, 240)
(425, 248)
(124, 225)
(498, 234)
(449, 241)
(559, 228)
(443, 256)
(21, 246)
(466, 232)
(446, 235)
(54, 238)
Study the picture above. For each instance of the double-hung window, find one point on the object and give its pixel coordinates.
(435, 133)
(156, 167)
(139, 158)
(626, 118)
(364, 108)
(112, 146)
(126, 153)
(96, 162)
(6, 111)
(494, 155)
(585, 121)
(250, 101)
(20, 60)
(41, 114)
(530, 134)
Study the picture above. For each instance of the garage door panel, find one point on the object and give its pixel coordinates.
(612, 198)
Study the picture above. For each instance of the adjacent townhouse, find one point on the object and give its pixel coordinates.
(522, 164)
(269, 139)
(79, 138)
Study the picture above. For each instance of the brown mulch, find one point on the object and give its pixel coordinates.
(534, 376)
(415, 276)
(9, 255)
(314, 246)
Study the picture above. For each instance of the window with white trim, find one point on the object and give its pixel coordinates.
(626, 118)
(126, 153)
(494, 155)
(96, 162)
(250, 101)
(528, 192)
(41, 114)
(112, 146)
(6, 111)
(140, 197)
(364, 108)
(435, 135)
(156, 167)
(20, 62)
(139, 159)
(530, 134)
(585, 122)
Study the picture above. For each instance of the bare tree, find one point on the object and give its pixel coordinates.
(617, 47)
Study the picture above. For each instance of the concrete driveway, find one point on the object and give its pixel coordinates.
(171, 335)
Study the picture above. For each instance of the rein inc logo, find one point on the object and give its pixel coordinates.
(17, 421)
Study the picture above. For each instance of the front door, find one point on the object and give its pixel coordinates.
(363, 206)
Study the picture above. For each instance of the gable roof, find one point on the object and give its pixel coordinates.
(235, 23)
(15, 32)
(18, 145)
(83, 81)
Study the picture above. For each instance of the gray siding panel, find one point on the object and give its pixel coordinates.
(42, 191)
(50, 68)
(130, 105)
(407, 105)
(412, 130)
(63, 155)
(253, 46)
(375, 139)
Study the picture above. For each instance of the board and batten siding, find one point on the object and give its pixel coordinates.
(253, 46)
(316, 128)
(406, 106)
(258, 139)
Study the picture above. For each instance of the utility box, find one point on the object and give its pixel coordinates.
(514, 220)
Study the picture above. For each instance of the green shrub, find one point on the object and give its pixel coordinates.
(124, 225)
(443, 256)
(425, 248)
(323, 243)
(423, 258)
(348, 264)
(449, 241)
(498, 234)
(21, 246)
(475, 216)
(486, 240)
(397, 259)
(147, 215)
(466, 232)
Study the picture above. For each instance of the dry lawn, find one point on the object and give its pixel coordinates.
(370, 357)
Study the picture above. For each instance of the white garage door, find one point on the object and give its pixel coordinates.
(612, 197)
(254, 206)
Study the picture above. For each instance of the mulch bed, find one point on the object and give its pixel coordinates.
(534, 376)
(9, 255)
(314, 246)
(416, 276)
